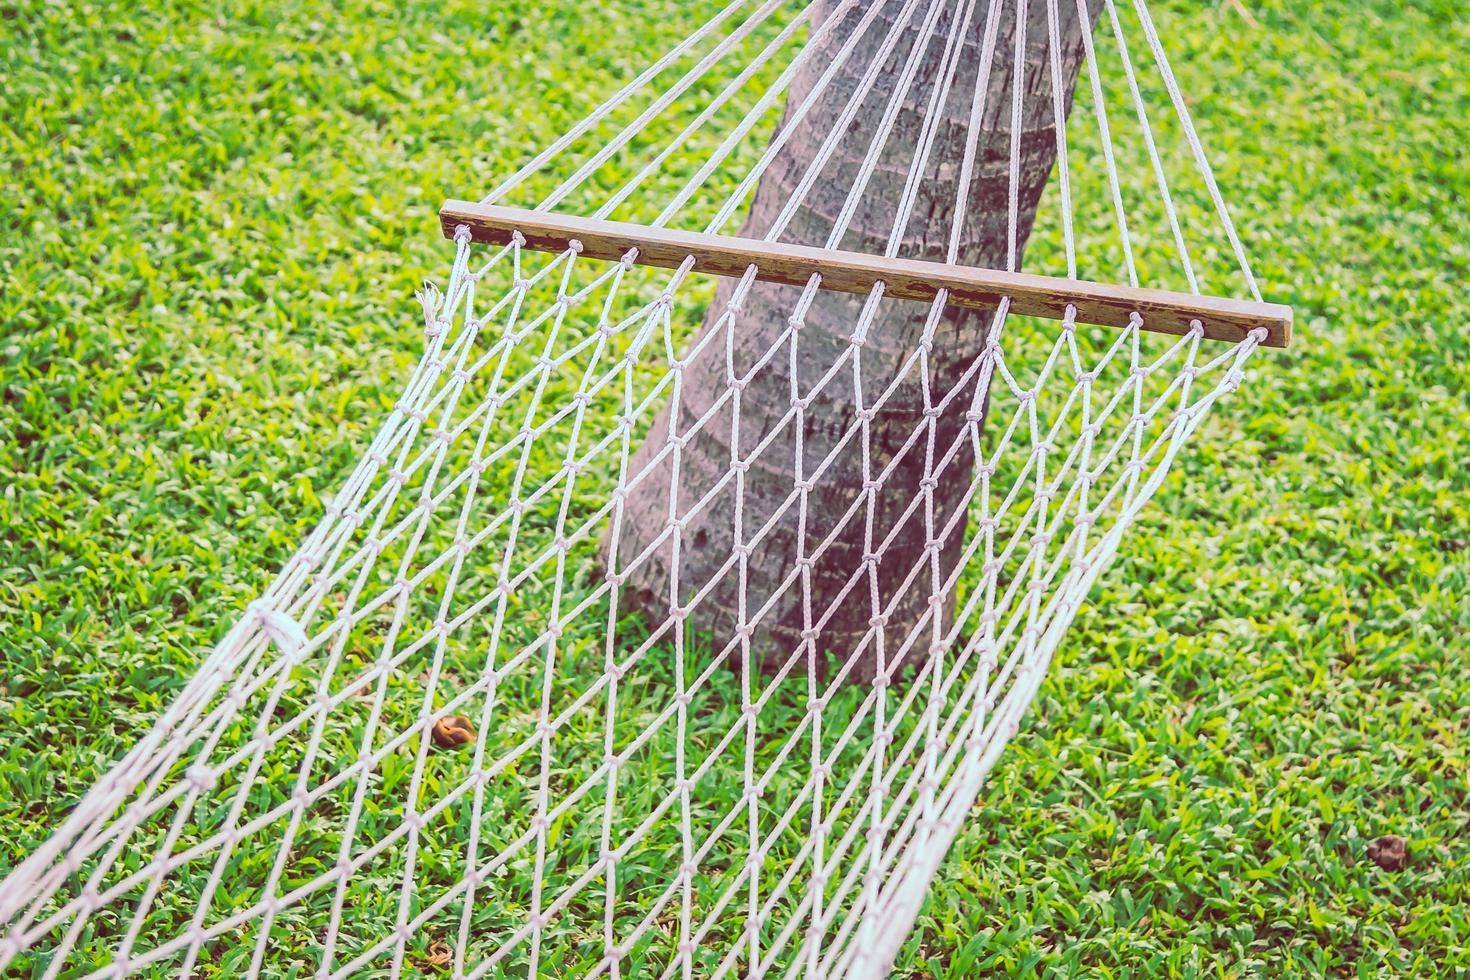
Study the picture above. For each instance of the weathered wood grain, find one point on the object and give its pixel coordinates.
(1106, 304)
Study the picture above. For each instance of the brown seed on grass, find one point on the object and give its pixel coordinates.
(453, 732)
(1390, 852)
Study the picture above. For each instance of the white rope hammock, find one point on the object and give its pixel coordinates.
(449, 736)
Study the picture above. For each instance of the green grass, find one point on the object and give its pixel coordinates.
(213, 229)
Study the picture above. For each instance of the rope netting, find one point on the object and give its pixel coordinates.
(448, 735)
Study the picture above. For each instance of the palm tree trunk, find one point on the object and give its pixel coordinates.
(707, 539)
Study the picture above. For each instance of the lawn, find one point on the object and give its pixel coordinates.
(214, 229)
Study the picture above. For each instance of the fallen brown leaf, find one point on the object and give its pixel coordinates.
(452, 732)
(439, 955)
(1390, 852)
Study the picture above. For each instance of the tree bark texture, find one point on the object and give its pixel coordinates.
(707, 540)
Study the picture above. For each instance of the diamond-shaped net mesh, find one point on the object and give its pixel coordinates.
(460, 730)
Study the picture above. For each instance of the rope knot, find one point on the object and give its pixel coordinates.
(281, 629)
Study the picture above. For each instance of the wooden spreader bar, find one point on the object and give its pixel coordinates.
(857, 272)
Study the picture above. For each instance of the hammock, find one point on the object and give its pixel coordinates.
(636, 649)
